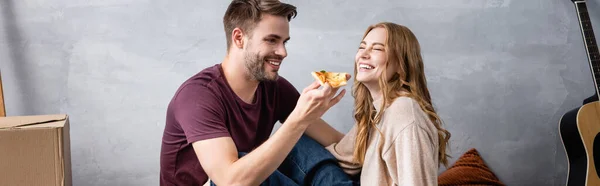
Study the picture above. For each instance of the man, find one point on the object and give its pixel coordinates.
(220, 120)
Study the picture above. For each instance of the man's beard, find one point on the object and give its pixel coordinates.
(255, 66)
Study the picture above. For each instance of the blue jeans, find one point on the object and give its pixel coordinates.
(309, 163)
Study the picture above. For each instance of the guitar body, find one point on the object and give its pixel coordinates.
(579, 128)
(580, 134)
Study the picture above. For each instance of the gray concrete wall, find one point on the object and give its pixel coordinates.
(501, 72)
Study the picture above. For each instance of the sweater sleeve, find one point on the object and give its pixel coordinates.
(411, 159)
(344, 152)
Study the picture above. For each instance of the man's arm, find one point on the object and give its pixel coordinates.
(221, 162)
(324, 133)
(222, 165)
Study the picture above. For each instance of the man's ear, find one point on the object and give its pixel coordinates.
(237, 38)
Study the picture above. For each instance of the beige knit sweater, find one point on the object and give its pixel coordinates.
(409, 154)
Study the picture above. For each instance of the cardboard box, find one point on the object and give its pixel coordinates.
(35, 150)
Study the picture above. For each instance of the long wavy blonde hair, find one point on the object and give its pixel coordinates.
(408, 80)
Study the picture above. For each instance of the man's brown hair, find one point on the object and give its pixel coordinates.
(245, 14)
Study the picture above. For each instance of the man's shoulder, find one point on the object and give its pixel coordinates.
(206, 76)
(201, 83)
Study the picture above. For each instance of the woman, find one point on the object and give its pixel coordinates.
(398, 138)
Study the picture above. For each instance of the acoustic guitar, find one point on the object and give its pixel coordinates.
(580, 127)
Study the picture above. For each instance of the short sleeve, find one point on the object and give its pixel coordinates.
(200, 113)
(287, 99)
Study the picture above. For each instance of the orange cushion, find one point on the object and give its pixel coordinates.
(469, 169)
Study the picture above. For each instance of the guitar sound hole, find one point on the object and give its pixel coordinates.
(597, 153)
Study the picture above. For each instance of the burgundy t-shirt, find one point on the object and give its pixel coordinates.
(205, 107)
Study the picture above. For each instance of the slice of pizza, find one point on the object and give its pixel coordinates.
(334, 79)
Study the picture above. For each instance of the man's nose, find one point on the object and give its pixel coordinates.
(281, 51)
